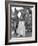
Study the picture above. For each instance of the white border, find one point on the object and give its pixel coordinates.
(33, 26)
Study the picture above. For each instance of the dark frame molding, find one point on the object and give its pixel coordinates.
(6, 26)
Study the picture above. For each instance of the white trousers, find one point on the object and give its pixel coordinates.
(21, 28)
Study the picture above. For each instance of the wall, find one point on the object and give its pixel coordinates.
(2, 24)
(37, 22)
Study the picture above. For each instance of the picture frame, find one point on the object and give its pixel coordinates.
(21, 34)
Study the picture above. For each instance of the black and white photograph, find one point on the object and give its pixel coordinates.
(21, 22)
